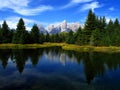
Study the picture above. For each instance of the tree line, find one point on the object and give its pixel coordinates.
(96, 32)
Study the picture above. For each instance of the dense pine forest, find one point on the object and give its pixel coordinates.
(96, 32)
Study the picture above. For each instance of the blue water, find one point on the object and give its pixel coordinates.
(56, 69)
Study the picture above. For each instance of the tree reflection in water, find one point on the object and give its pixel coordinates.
(94, 64)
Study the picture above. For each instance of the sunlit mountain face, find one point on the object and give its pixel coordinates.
(54, 68)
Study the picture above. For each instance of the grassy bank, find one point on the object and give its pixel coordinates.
(91, 48)
(27, 46)
(63, 45)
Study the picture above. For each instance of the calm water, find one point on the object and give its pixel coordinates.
(56, 69)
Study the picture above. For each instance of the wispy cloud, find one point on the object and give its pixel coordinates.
(111, 9)
(92, 5)
(75, 2)
(35, 11)
(22, 7)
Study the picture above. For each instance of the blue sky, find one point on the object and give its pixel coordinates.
(47, 12)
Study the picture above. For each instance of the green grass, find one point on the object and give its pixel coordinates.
(91, 48)
(64, 46)
(27, 46)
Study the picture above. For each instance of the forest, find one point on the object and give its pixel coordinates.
(96, 32)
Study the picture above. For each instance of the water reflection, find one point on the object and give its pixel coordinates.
(53, 62)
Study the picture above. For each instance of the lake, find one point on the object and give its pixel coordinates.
(57, 69)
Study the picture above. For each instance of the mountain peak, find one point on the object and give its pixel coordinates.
(62, 27)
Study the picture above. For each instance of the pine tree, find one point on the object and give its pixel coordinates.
(90, 25)
(0, 34)
(0, 27)
(41, 38)
(78, 36)
(11, 34)
(110, 27)
(116, 25)
(57, 38)
(116, 33)
(5, 33)
(63, 36)
(19, 36)
(35, 34)
(24, 38)
(101, 24)
(108, 38)
(70, 38)
(78, 33)
(47, 37)
(96, 37)
(103, 21)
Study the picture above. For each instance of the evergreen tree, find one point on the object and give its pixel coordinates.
(70, 38)
(19, 36)
(90, 25)
(78, 37)
(103, 21)
(24, 38)
(55, 38)
(11, 34)
(110, 27)
(115, 36)
(5, 33)
(101, 24)
(63, 36)
(116, 25)
(82, 39)
(35, 34)
(78, 33)
(47, 38)
(96, 37)
(52, 38)
(0, 34)
(41, 38)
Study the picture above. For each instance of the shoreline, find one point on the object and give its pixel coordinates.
(64, 46)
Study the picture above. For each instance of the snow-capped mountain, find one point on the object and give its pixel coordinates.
(74, 26)
(62, 27)
(42, 29)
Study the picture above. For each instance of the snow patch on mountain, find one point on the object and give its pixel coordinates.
(62, 27)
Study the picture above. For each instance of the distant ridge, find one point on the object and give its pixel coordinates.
(62, 27)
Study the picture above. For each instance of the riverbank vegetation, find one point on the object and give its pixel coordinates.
(27, 46)
(96, 32)
(64, 46)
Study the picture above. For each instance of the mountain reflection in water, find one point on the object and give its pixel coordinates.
(56, 69)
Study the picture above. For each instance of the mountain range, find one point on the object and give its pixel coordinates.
(62, 27)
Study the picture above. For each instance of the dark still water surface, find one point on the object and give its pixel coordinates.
(56, 69)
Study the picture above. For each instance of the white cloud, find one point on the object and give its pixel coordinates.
(22, 7)
(75, 2)
(80, 1)
(35, 11)
(55, 23)
(12, 22)
(13, 3)
(92, 6)
(111, 8)
(108, 18)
